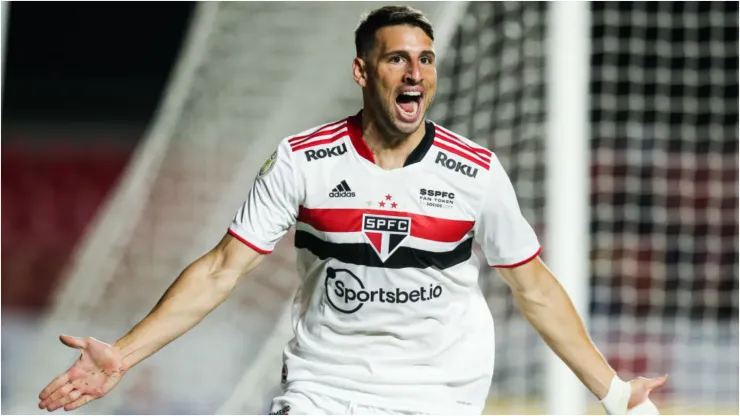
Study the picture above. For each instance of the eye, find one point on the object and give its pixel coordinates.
(395, 59)
(426, 60)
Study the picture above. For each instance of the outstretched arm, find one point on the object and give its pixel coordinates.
(199, 289)
(508, 242)
(549, 310)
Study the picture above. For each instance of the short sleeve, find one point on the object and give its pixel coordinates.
(271, 207)
(505, 236)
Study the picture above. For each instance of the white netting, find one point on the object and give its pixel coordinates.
(665, 193)
(664, 185)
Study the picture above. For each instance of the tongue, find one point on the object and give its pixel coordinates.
(409, 107)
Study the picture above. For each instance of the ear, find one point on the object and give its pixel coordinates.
(359, 71)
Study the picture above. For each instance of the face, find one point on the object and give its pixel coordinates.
(399, 77)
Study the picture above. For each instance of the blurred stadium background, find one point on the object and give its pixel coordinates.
(131, 132)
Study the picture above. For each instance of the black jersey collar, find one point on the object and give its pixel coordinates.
(354, 127)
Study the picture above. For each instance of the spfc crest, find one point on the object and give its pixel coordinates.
(385, 233)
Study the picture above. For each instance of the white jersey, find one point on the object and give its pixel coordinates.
(389, 312)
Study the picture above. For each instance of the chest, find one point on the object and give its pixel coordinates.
(421, 189)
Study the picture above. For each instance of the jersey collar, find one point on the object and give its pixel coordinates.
(354, 128)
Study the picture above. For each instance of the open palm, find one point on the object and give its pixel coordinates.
(98, 369)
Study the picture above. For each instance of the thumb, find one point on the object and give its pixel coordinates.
(73, 342)
(657, 383)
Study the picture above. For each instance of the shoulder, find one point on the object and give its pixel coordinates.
(460, 153)
(315, 136)
(284, 157)
(478, 162)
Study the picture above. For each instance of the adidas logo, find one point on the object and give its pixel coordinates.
(342, 191)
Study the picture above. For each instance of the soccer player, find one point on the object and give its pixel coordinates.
(386, 206)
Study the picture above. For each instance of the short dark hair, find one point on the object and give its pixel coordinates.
(387, 16)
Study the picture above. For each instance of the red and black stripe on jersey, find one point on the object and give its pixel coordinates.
(432, 229)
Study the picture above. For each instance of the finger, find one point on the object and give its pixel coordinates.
(61, 392)
(53, 386)
(80, 385)
(73, 342)
(71, 397)
(85, 399)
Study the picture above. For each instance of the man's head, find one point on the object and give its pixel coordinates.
(395, 66)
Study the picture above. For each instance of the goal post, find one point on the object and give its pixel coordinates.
(567, 185)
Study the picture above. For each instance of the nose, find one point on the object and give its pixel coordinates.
(413, 73)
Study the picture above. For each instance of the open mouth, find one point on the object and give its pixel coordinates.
(408, 103)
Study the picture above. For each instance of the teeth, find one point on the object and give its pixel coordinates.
(412, 93)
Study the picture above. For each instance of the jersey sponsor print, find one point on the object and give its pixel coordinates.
(347, 293)
(326, 152)
(436, 199)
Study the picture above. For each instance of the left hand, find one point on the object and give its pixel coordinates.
(641, 389)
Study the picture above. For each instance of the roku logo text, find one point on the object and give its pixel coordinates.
(328, 152)
(453, 164)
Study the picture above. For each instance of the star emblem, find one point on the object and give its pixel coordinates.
(369, 203)
(388, 197)
(382, 204)
(394, 205)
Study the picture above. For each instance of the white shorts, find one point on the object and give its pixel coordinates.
(309, 403)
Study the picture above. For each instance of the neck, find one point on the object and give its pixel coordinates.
(389, 149)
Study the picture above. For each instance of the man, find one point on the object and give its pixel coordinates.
(386, 205)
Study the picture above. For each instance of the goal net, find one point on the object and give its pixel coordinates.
(664, 154)
(664, 196)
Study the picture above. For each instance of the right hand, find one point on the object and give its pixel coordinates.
(98, 369)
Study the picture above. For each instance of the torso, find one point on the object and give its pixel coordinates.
(390, 308)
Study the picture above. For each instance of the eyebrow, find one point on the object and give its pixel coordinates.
(405, 53)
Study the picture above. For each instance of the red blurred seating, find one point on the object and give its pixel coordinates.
(49, 195)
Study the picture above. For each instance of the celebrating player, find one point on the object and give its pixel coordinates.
(386, 206)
